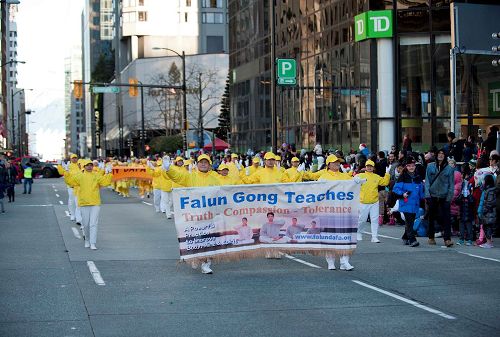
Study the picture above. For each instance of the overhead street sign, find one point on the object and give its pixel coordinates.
(106, 90)
(286, 71)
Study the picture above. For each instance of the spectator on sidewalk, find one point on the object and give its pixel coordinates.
(487, 210)
(28, 177)
(10, 181)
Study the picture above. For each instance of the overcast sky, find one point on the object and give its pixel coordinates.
(47, 29)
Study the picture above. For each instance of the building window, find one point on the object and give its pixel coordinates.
(215, 44)
(143, 16)
(211, 3)
(212, 18)
(188, 3)
(185, 17)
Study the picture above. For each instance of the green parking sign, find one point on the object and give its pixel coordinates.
(286, 71)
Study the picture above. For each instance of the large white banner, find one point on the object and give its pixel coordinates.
(233, 222)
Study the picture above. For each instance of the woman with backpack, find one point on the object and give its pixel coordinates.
(409, 189)
(488, 210)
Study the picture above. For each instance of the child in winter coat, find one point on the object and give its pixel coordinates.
(487, 210)
(466, 203)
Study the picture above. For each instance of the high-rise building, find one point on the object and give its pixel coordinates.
(359, 86)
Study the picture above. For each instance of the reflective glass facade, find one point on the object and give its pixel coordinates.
(335, 100)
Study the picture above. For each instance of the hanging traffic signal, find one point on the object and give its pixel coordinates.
(133, 90)
(78, 89)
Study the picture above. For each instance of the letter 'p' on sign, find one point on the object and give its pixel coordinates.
(286, 71)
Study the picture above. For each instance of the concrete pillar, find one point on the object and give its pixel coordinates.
(385, 99)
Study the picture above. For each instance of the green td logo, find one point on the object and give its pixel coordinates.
(373, 24)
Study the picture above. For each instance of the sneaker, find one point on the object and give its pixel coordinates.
(438, 235)
(479, 242)
(448, 243)
(460, 242)
(205, 268)
(359, 237)
(406, 242)
(79, 224)
(468, 243)
(331, 265)
(72, 218)
(375, 240)
(87, 244)
(346, 266)
(169, 216)
(93, 247)
(431, 242)
(486, 245)
(414, 244)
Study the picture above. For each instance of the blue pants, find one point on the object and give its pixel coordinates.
(29, 182)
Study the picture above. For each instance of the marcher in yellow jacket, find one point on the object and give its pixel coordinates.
(295, 173)
(73, 169)
(225, 178)
(333, 173)
(269, 174)
(199, 178)
(369, 198)
(234, 166)
(89, 198)
(155, 172)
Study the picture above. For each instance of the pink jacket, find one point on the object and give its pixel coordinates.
(455, 208)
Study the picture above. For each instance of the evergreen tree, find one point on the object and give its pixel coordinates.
(225, 113)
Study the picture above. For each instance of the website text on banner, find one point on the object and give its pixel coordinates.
(120, 173)
(243, 221)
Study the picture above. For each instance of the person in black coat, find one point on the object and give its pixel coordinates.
(10, 181)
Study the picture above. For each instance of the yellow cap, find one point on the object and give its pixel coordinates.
(333, 158)
(234, 155)
(179, 159)
(370, 163)
(73, 156)
(86, 162)
(188, 162)
(278, 157)
(204, 156)
(255, 160)
(269, 155)
(295, 159)
(159, 162)
(222, 167)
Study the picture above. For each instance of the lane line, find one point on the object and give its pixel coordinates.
(67, 213)
(95, 273)
(75, 233)
(401, 298)
(61, 202)
(293, 258)
(480, 257)
(48, 205)
(147, 203)
(57, 195)
(382, 236)
(55, 190)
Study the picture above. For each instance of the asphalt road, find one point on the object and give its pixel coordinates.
(47, 287)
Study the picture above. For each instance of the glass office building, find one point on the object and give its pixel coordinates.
(336, 99)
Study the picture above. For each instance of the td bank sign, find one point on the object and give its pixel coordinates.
(372, 25)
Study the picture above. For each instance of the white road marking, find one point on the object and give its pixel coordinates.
(480, 257)
(55, 190)
(48, 205)
(61, 202)
(67, 213)
(95, 273)
(382, 236)
(147, 203)
(57, 195)
(415, 304)
(75, 233)
(293, 258)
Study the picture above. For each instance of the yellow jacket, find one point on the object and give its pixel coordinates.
(369, 189)
(193, 179)
(293, 175)
(88, 184)
(233, 170)
(308, 175)
(155, 175)
(73, 169)
(228, 180)
(266, 176)
(330, 175)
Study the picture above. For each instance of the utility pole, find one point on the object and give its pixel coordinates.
(119, 109)
(200, 113)
(274, 117)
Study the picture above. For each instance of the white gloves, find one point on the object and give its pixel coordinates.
(261, 162)
(166, 163)
(301, 167)
(190, 168)
(247, 170)
(100, 165)
(150, 165)
(65, 166)
(343, 169)
(108, 169)
(238, 165)
(278, 165)
(387, 169)
(247, 162)
(357, 180)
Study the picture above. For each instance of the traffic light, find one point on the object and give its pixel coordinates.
(78, 89)
(133, 91)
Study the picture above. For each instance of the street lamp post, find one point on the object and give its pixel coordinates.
(13, 142)
(184, 105)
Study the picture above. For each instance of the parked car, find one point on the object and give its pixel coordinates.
(47, 170)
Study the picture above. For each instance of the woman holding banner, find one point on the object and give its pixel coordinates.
(333, 173)
(201, 177)
(269, 174)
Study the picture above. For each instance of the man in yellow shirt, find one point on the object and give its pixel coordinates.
(369, 198)
(269, 174)
(225, 178)
(296, 172)
(89, 198)
(73, 168)
(333, 173)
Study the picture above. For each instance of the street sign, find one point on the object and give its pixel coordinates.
(286, 71)
(373, 24)
(287, 81)
(105, 90)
